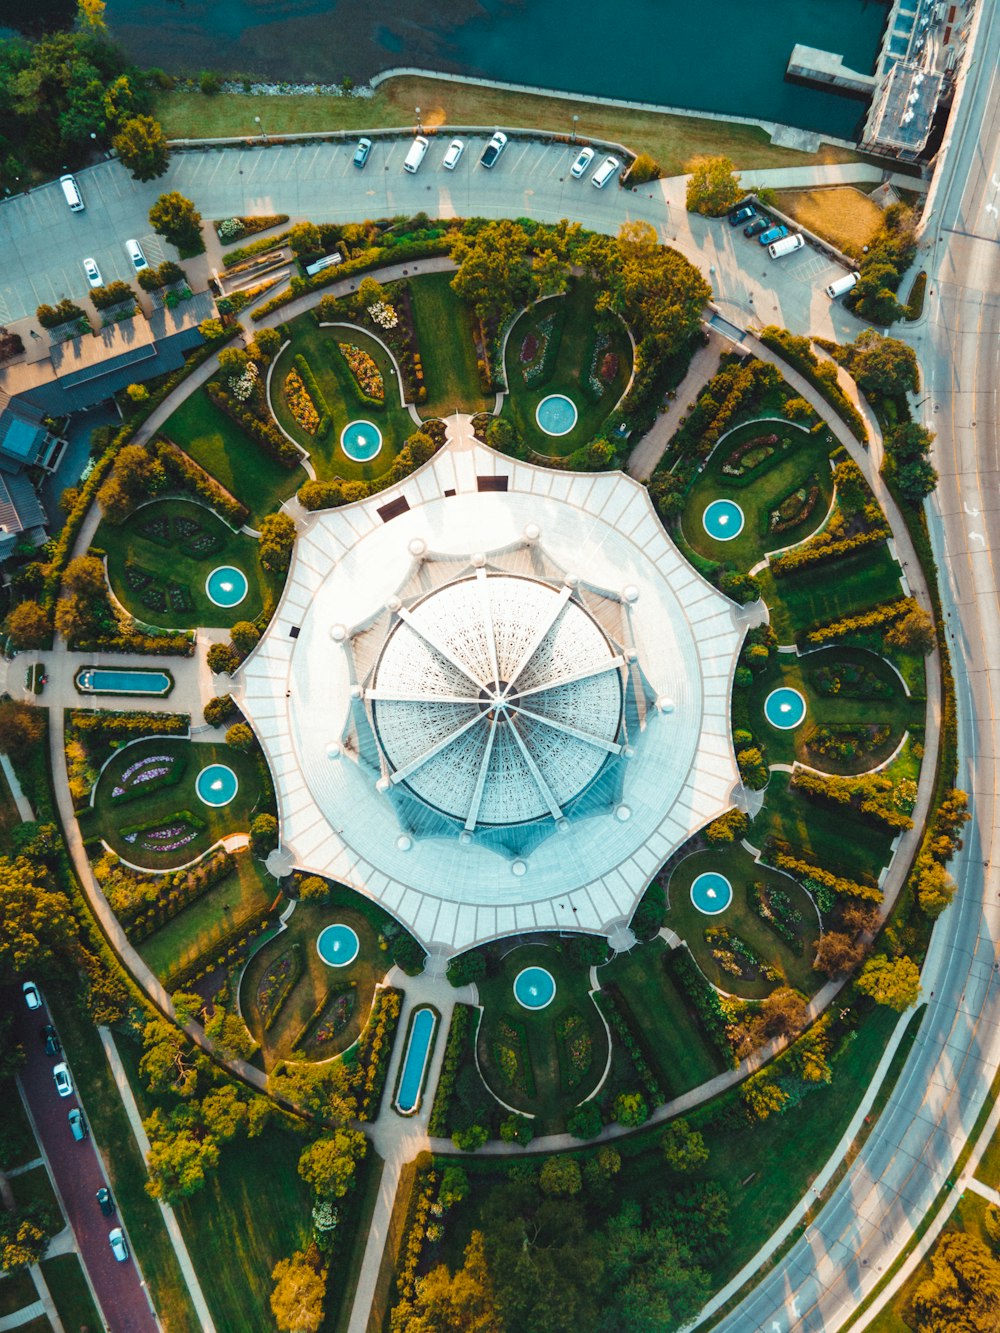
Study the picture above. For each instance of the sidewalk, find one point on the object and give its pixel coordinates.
(167, 1213)
(650, 449)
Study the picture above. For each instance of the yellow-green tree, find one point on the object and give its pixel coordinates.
(894, 982)
(962, 1293)
(329, 1164)
(37, 919)
(142, 147)
(713, 187)
(299, 1293)
(459, 1302)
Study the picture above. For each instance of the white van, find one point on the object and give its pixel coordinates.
(842, 285)
(604, 172)
(72, 192)
(417, 153)
(786, 245)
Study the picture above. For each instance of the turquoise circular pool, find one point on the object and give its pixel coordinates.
(216, 785)
(784, 708)
(361, 441)
(534, 988)
(723, 520)
(711, 892)
(226, 586)
(556, 415)
(338, 945)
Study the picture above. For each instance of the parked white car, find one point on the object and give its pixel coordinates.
(93, 273)
(118, 1243)
(64, 1084)
(452, 157)
(134, 251)
(608, 168)
(492, 151)
(583, 161)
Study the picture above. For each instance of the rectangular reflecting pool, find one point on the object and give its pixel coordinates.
(104, 680)
(418, 1051)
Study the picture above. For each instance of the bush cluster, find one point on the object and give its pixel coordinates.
(373, 1052)
(623, 1025)
(808, 872)
(170, 894)
(823, 377)
(455, 1051)
(876, 618)
(703, 998)
(871, 794)
(331, 494)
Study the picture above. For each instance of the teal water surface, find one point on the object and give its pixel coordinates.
(416, 1057)
(98, 681)
(721, 55)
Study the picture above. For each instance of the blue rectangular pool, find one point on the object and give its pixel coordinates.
(103, 680)
(418, 1050)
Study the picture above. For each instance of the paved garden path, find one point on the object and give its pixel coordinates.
(650, 449)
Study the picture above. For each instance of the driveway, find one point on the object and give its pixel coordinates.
(43, 242)
(79, 1174)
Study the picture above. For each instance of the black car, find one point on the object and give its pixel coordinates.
(743, 214)
(757, 226)
(51, 1040)
(103, 1197)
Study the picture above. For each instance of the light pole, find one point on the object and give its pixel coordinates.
(263, 132)
(575, 119)
(420, 127)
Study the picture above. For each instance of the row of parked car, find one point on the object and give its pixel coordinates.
(779, 242)
(136, 257)
(489, 157)
(77, 1123)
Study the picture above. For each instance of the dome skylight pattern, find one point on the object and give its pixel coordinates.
(497, 699)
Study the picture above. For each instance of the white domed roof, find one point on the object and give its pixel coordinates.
(497, 699)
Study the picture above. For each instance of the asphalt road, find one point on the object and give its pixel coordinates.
(43, 243)
(79, 1174)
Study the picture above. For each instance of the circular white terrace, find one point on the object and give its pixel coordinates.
(471, 676)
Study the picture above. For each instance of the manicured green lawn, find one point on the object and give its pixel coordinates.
(70, 1292)
(838, 840)
(830, 590)
(571, 323)
(742, 920)
(218, 444)
(799, 461)
(16, 1291)
(33, 1187)
(139, 542)
(319, 347)
(193, 932)
(682, 1056)
(17, 1139)
(311, 990)
(165, 805)
(803, 674)
(543, 1087)
(448, 354)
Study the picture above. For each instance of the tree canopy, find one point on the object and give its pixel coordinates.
(713, 187)
(894, 982)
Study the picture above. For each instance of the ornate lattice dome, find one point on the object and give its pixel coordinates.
(497, 699)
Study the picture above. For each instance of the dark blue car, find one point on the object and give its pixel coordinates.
(743, 214)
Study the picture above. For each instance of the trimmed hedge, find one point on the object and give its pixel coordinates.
(704, 999)
(373, 1052)
(188, 475)
(815, 553)
(800, 356)
(195, 883)
(878, 617)
(806, 870)
(316, 394)
(457, 1046)
(622, 1023)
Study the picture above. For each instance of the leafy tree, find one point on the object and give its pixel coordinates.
(683, 1147)
(245, 635)
(463, 1302)
(277, 537)
(85, 575)
(112, 294)
(560, 1175)
(655, 289)
(502, 436)
(467, 967)
(883, 366)
(319, 1090)
(585, 1121)
(962, 1293)
(454, 1186)
(263, 835)
(299, 1294)
(648, 917)
(168, 1061)
(75, 617)
(762, 1096)
(91, 15)
(753, 770)
(602, 1168)
(219, 710)
(729, 827)
(643, 170)
(180, 1153)
(142, 147)
(177, 219)
(305, 240)
(652, 1280)
(329, 1163)
(222, 659)
(894, 982)
(913, 633)
(587, 950)
(517, 1129)
(134, 476)
(66, 312)
(240, 737)
(265, 345)
(630, 1109)
(713, 187)
(22, 727)
(37, 919)
(470, 1139)
(935, 887)
(551, 274)
(230, 1035)
(837, 954)
(494, 271)
(22, 1245)
(741, 588)
(28, 626)
(224, 1112)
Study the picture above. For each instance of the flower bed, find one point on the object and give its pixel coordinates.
(776, 908)
(794, 508)
(276, 984)
(300, 404)
(736, 957)
(458, 1051)
(367, 375)
(329, 1021)
(750, 454)
(164, 835)
(510, 1056)
(603, 366)
(851, 680)
(538, 351)
(148, 774)
(847, 741)
(577, 1047)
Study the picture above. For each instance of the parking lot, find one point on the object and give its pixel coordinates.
(43, 243)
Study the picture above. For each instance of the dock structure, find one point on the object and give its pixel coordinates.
(914, 74)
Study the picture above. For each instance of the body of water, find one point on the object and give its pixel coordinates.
(719, 55)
